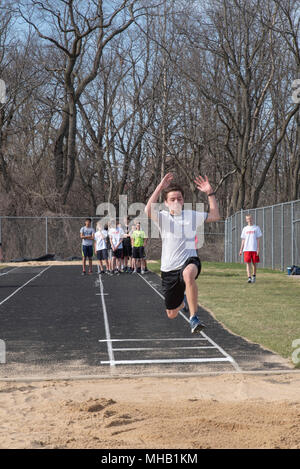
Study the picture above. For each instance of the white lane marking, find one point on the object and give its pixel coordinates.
(149, 340)
(106, 323)
(228, 357)
(173, 360)
(9, 271)
(157, 348)
(222, 351)
(24, 285)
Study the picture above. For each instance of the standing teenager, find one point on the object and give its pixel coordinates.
(116, 237)
(87, 236)
(250, 247)
(101, 247)
(139, 240)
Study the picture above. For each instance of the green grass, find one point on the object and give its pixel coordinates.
(267, 312)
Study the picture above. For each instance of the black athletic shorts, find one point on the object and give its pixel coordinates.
(118, 253)
(173, 284)
(102, 255)
(127, 250)
(138, 252)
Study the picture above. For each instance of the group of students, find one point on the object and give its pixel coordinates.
(119, 248)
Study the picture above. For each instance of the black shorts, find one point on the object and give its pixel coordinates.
(173, 284)
(118, 253)
(127, 250)
(138, 252)
(87, 251)
(102, 255)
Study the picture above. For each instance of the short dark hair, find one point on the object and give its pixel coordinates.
(172, 188)
(88, 219)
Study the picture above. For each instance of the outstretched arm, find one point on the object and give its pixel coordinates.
(203, 185)
(164, 183)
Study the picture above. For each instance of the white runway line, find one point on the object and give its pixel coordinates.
(221, 350)
(159, 348)
(5, 273)
(170, 361)
(106, 323)
(24, 285)
(150, 340)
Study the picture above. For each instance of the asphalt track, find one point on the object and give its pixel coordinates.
(56, 323)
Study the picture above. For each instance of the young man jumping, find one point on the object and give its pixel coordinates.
(180, 264)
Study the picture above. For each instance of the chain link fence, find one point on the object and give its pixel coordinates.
(280, 243)
(31, 238)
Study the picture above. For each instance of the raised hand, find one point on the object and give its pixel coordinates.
(166, 181)
(203, 184)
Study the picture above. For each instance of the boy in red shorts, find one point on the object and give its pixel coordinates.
(250, 246)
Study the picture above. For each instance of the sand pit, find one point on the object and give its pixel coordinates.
(223, 411)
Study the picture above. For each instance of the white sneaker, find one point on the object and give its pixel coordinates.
(142, 272)
(253, 278)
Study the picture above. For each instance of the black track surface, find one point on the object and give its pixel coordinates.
(63, 324)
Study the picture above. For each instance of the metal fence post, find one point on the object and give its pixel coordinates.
(264, 238)
(46, 230)
(292, 229)
(272, 224)
(225, 242)
(281, 239)
(241, 257)
(231, 238)
(235, 238)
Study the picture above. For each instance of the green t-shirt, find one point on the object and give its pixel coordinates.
(138, 238)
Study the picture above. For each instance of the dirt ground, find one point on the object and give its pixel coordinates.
(216, 411)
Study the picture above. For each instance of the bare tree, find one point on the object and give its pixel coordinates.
(234, 51)
(22, 79)
(80, 31)
(288, 26)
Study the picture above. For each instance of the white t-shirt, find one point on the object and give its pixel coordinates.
(116, 235)
(87, 232)
(100, 238)
(178, 234)
(250, 235)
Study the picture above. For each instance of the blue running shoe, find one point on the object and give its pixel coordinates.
(196, 325)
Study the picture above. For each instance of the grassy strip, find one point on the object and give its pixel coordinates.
(267, 312)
